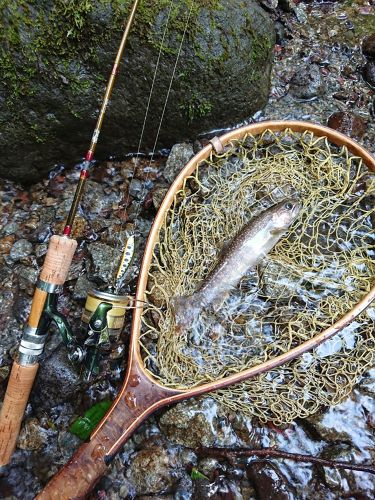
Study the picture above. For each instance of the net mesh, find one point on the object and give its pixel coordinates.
(315, 274)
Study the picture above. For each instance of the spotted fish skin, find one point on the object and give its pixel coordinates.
(255, 240)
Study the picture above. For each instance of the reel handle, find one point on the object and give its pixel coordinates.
(54, 272)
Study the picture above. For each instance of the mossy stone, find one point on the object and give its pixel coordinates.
(55, 58)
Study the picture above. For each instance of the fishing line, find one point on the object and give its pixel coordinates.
(171, 82)
(161, 49)
(163, 113)
(154, 79)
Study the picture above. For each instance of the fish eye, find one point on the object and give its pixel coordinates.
(288, 205)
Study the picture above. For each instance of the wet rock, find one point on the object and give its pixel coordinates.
(97, 201)
(41, 250)
(345, 422)
(32, 435)
(300, 13)
(220, 488)
(28, 274)
(367, 384)
(280, 32)
(77, 267)
(343, 452)
(180, 154)
(11, 331)
(82, 286)
(191, 423)
(151, 471)
(158, 195)
(18, 483)
(368, 73)
(368, 46)
(307, 83)
(347, 123)
(234, 45)
(208, 466)
(287, 5)
(184, 488)
(270, 4)
(188, 457)
(68, 443)
(20, 249)
(6, 244)
(41, 234)
(269, 482)
(249, 434)
(4, 372)
(136, 188)
(117, 235)
(11, 228)
(57, 380)
(105, 261)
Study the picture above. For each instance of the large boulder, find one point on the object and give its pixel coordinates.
(55, 57)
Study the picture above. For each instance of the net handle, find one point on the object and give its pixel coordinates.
(138, 398)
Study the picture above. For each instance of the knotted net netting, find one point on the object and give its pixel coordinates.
(315, 274)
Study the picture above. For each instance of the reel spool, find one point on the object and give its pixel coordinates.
(103, 319)
(115, 316)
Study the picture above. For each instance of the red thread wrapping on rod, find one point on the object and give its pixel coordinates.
(89, 155)
(67, 230)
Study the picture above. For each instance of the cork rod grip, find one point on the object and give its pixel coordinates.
(55, 270)
(58, 259)
(15, 401)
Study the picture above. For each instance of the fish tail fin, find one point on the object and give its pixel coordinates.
(185, 309)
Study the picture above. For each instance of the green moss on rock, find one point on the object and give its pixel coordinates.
(55, 57)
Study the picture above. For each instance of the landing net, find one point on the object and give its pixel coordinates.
(316, 273)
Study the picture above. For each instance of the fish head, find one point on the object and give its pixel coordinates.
(284, 214)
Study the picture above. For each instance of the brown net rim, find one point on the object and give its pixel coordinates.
(255, 129)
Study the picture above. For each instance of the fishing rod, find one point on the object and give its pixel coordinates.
(104, 312)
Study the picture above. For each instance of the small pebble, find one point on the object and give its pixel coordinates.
(180, 154)
(270, 4)
(6, 244)
(151, 471)
(32, 436)
(368, 73)
(28, 274)
(300, 14)
(307, 83)
(158, 195)
(11, 228)
(4, 372)
(368, 46)
(347, 123)
(136, 188)
(287, 5)
(41, 250)
(20, 249)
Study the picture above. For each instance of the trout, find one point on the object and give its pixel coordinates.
(255, 240)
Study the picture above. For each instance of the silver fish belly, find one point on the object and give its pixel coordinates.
(254, 241)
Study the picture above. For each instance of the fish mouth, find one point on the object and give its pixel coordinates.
(293, 205)
(297, 205)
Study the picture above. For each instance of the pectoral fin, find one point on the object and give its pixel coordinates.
(185, 310)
